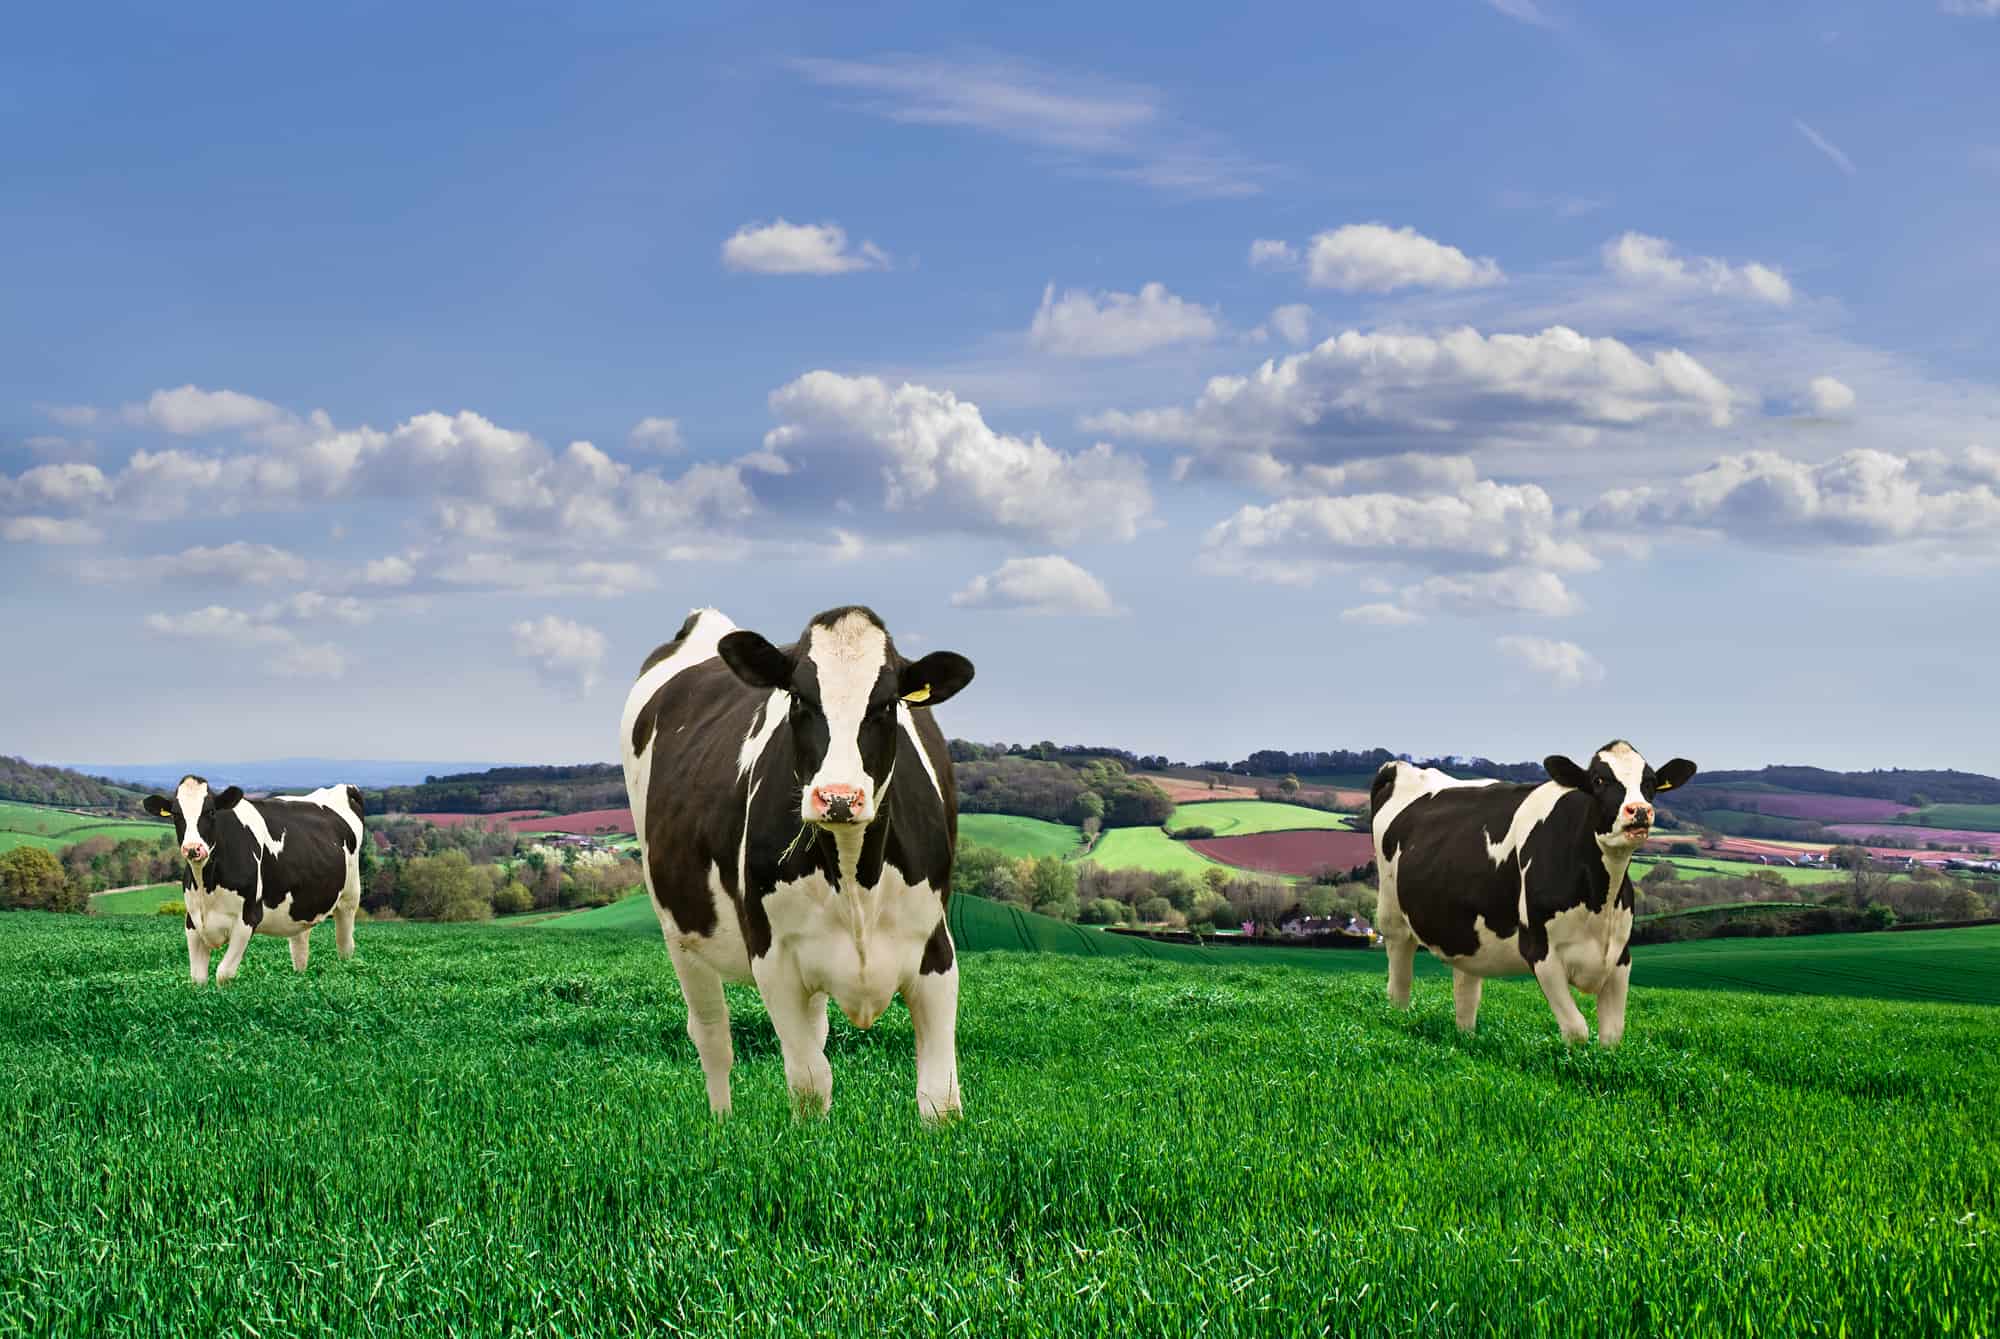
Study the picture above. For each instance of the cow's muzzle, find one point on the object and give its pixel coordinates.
(839, 804)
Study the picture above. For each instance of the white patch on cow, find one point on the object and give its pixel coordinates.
(848, 658)
(252, 819)
(769, 719)
(724, 952)
(1630, 769)
(813, 938)
(916, 746)
(1495, 956)
(190, 796)
(1589, 943)
(1532, 813)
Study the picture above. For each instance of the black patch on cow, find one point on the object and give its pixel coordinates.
(662, 652)
(832, 617)
(642, 726)
(698, 803)
(355, 803)
(1383, 787)
(187, 916)
(937, 951)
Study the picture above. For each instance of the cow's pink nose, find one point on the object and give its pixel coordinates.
(194, 849)
(839, 803)
(1639, 811)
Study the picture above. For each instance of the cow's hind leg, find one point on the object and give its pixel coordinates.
(1555, 989)
(1611, 1006)
(1465, 990)
(708, 1022)
(344, 912)
(800, 1034)
(1402, 963)
(301, 949)
(932, 998)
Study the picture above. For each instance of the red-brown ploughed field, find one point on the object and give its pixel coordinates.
(1290, 852)
(1183, 791)
(1964, 838)
(460, 820)
(594, 821)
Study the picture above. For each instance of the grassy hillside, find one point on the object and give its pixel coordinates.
(53, 829)
(1241, 818)
(1146, 848)
(493, 1131)
(1971, 817)
(135, 901)
(1030, 837)
(1696, 866)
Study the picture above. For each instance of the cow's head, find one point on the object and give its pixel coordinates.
(844, 680)
(1621, 786)
(193, 809)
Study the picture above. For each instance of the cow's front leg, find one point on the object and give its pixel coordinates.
(932, 998)
(1402, 962)
(197, 955)
(1611, 1006)
(801, 1037)
(301, 949)
(239, 939)
(1555, 989)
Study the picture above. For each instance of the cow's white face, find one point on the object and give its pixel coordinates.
(842, 682)
(1621, 786)
(193, 809)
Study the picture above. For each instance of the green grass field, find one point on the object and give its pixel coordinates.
(135, 901)
(1971, 817)
(1242, 818)
(1695, 866)
(1017, 836)
(486, 1130)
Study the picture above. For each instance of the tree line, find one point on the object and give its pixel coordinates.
(36, 783)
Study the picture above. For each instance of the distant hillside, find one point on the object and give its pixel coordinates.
(570, 789)
(1898, 785)
(38, 783)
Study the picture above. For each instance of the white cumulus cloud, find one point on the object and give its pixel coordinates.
(1382, 614)
(1375, 258)
(266, 644)
(1829, 397)
(937, 458)
(1293, 322)
(48, 530)
(1568, 664)
(190, 411)
(1046, 585)
(565, 652)
(1637, 258)
(657, 434)
(1271, 254)
(798, 248)
(1117, 325)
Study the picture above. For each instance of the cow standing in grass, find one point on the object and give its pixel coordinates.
(1499, 880)
(276, 866)
(797, 819)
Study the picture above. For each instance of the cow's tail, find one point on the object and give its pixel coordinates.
(1383, 786)
(354, 803)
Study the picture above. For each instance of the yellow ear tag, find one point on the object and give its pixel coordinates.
(921, 695)
(1664, 785)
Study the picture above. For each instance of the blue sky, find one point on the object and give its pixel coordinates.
(1458, 377)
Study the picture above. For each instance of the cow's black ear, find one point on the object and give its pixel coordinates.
(755, 661)
(159, 806)
(1676, 773)
(228, 798)
(1566, 773)
(927, 682)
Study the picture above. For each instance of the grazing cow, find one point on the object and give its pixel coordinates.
(1500, 879)
(276, 866)
(797, 819)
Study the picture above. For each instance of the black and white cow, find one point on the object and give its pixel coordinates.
(797, 818)
(276, 866)
(1499, 880)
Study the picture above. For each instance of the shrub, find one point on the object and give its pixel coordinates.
(1193, 834)
(33, 880)
(174, 908)
(1155, 910)
(1103, 912)
(513, 899)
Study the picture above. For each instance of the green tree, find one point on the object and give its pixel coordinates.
(444, 887)
(33, 880)
(1103, 911)
(1289, 786)
(1155, 910)
(1052, 887)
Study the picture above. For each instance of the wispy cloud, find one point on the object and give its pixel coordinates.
(1124, 130)
(1526, 11)
(1825, 146)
